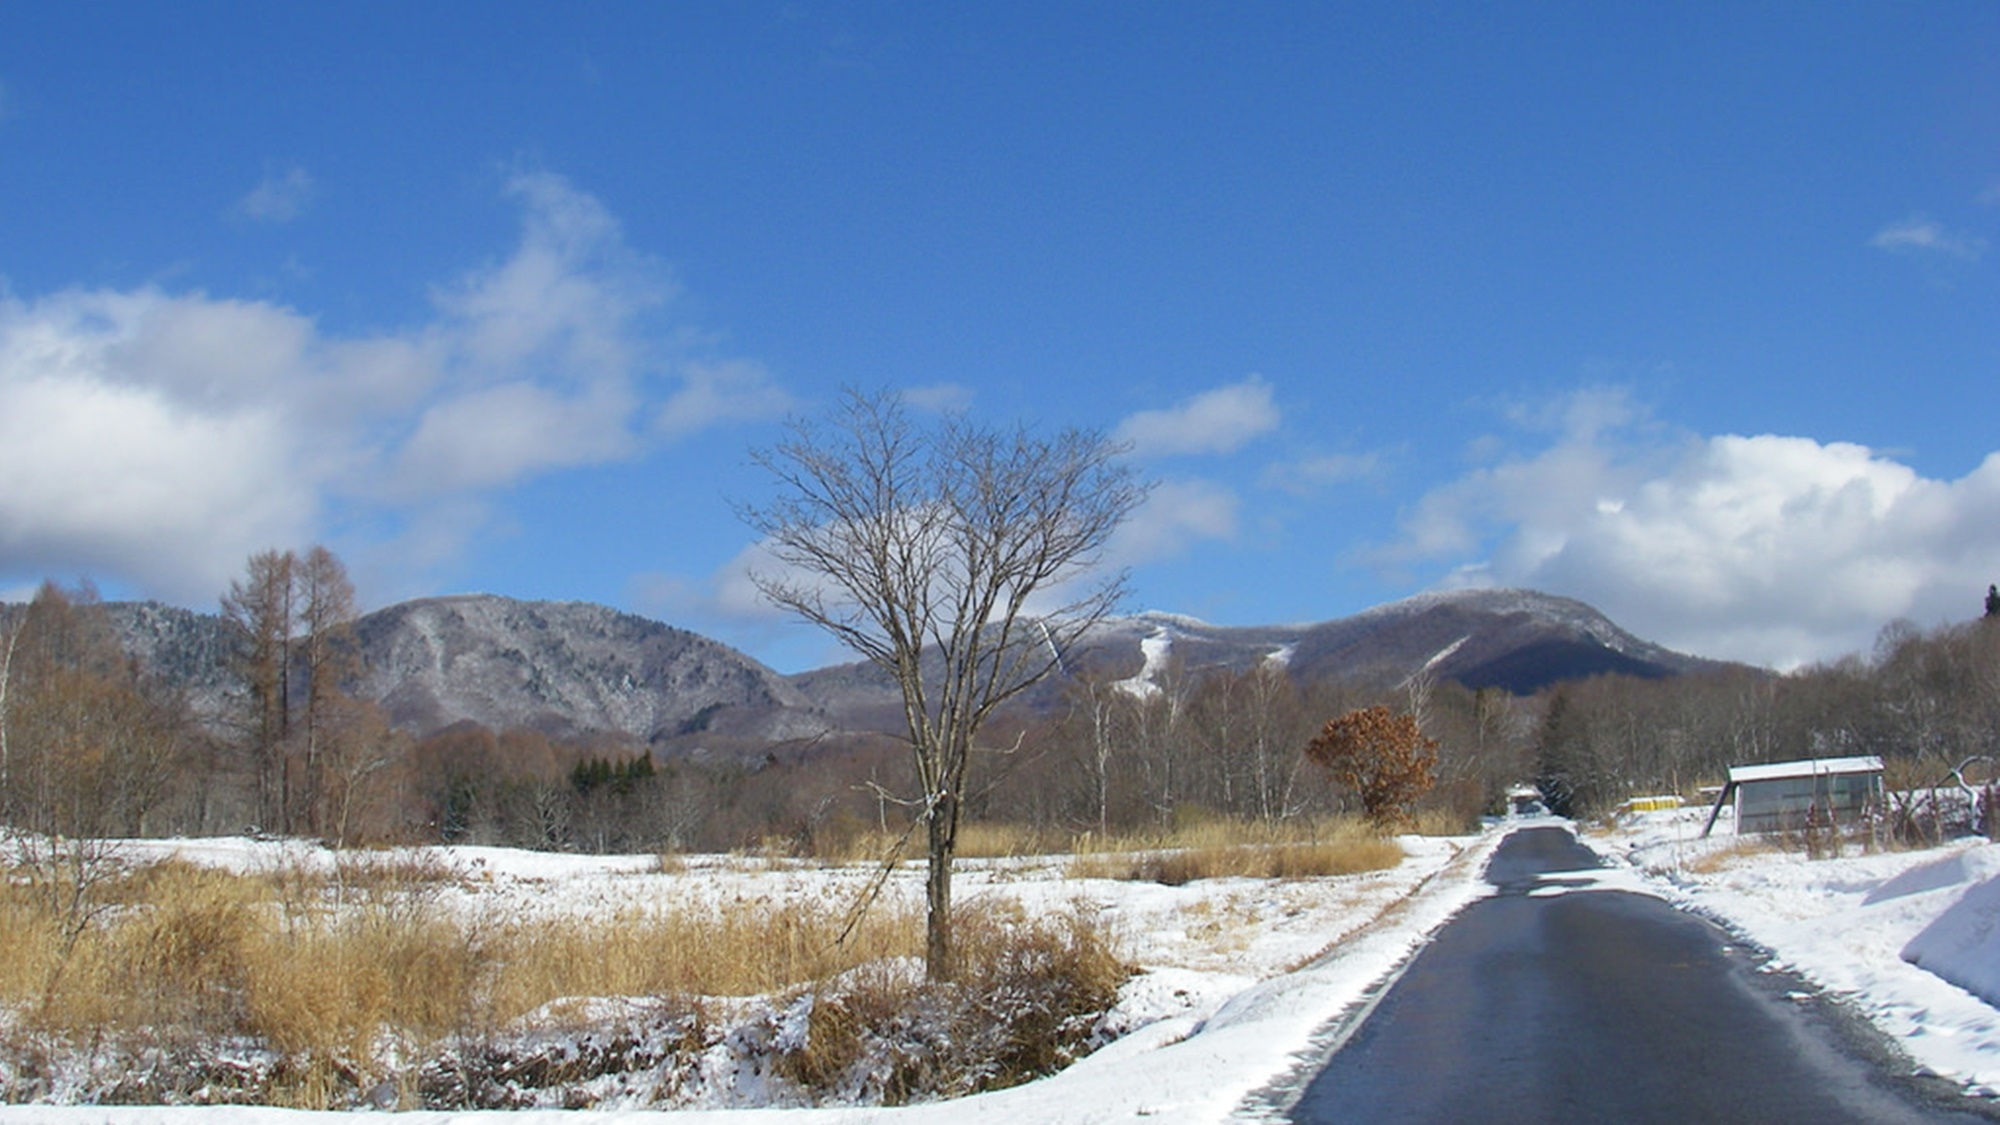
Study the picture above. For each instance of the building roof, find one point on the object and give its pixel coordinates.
(1809, 767)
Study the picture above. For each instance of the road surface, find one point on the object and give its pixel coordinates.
(1604, 1006)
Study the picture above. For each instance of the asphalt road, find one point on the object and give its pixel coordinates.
(1605, 1006)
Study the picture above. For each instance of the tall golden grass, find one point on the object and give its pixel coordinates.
(1192, 828)
(326, 969)
(343, 972)
(1217, 848)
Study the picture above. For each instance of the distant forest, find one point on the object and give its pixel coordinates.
(93, 743)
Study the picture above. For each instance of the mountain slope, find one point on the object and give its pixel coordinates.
(567, 668)
(573, 668)
(1516, 640)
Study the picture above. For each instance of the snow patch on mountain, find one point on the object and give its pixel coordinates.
(1155, 651)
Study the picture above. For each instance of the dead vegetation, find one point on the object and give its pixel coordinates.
(1222, 848)
(369, 984)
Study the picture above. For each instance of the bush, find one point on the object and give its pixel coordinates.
(1380, 755)
(1028, 1001)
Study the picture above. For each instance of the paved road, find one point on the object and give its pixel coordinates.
(1603, 1006)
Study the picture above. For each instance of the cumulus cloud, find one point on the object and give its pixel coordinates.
(159, 438)
(280, 197)
(1776, 550)
(1217, 421)
(115, 447)
(1920, 235)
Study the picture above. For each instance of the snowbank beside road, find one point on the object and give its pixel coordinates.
(1963, 944)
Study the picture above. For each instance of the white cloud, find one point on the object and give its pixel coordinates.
(1769, 549)
(105, 469)
(1175, 516)
(493, 436)
(1217, 421)
(938, 398)
(727, 391)
(1918, 234)
(563, 303)
(1310, 475)
(157, 439)
(280, 197)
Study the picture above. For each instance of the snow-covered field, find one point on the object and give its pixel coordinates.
(1244, 982)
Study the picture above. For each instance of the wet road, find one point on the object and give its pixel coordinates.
(1603, 1006)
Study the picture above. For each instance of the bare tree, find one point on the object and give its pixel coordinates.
(330, 661)
(260, 613)
(291, 620)
(920, 547)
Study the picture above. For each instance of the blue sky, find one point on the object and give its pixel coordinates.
(1687, 310)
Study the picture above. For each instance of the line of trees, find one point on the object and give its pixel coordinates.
(1926, 701)
(1118, 756)
(316, 752)
(92, 743)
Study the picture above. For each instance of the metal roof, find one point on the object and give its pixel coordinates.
(1809, 767)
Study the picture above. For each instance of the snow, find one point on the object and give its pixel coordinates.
(1156, 649)
(1245, 983)
(1810, 767)
(1444, 653)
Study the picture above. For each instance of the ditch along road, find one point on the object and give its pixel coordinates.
(1606, 1006)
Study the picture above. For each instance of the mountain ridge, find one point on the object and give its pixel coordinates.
(574, 668)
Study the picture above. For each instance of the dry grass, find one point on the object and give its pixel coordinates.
(1222, 848)
(327, 969)
(854, 843)
(750, 949)
(1439, 821)
(1729, 855)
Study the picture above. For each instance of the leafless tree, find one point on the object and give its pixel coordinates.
(259, 611)
(920, 548)
(330, 661)
(291, 619)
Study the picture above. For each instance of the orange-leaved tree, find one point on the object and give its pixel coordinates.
(1382, 756)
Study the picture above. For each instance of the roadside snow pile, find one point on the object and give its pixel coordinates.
(1963, 944)
(1912, 938)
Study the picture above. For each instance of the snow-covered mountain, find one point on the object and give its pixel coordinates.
(569, 668)
(1518, 640)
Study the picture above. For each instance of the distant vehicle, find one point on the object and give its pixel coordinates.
(1525, 800)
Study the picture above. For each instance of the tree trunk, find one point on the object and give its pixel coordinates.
(939, 956)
